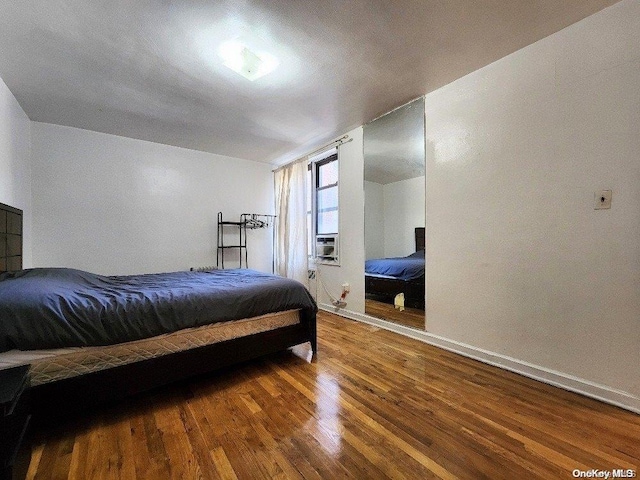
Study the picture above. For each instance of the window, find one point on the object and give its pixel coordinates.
(327, 196)
(322, 198)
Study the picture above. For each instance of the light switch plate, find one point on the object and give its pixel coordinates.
(603, 199)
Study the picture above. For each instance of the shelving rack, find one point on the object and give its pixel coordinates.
(241, 245)
(249, 221)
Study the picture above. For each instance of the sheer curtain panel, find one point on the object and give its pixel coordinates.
(291, 227)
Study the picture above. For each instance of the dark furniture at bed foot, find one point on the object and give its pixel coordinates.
(15, 451)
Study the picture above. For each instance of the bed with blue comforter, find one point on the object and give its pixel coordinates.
(50, 308)
(60, 307)
(402, 268)
(387, 277)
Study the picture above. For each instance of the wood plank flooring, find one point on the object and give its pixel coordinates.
(372, 405)
(409, 317)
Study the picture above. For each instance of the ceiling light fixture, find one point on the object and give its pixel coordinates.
(251, 65)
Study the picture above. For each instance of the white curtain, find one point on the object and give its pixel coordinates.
(291, 225)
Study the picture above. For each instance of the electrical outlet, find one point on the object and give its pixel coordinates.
(603, 199)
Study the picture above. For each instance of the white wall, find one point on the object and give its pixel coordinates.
(391, 214)
(373, 220)
(403, 212)
(519, 262)
(115, 205)
(351, 198)
(15, 163)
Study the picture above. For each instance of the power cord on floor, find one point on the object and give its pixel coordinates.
(336, 302)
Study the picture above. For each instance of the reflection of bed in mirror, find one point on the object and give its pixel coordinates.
(387, 277)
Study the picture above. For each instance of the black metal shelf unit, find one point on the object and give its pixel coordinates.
(241, 245)
(248, 221)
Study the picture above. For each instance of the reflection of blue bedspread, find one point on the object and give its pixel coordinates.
(60, 307)
(402, 268)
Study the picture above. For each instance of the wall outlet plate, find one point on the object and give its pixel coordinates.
(603, 199)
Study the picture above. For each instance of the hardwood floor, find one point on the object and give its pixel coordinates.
(372, 405)
(409, 317)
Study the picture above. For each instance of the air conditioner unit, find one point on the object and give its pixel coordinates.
(327, 249)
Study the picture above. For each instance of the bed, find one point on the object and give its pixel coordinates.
(387, 277)
(92, 339)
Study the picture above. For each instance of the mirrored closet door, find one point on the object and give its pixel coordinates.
(394, 193)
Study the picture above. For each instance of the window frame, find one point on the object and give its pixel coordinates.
(314, 165)
(318, 188)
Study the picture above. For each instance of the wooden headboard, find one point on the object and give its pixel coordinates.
(420, 240)
(10, 238)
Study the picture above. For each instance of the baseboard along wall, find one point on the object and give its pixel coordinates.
(558, 379)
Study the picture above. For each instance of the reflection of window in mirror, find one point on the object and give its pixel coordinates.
(394, 188)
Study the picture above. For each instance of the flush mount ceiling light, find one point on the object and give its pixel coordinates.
(251, 65)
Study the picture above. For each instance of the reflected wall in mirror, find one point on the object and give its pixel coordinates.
(394, 235)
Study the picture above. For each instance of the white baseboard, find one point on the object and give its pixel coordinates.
(558, 379)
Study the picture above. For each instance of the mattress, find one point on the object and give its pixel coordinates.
(43, 308)
(401, 268)
(57, 364)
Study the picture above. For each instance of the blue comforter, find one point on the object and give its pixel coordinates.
(59, 307)
(402, 268)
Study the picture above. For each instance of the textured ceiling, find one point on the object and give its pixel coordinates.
(148, 69)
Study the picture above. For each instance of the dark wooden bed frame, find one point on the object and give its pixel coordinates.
(70, 395)
(76, 394)
(385, 289)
